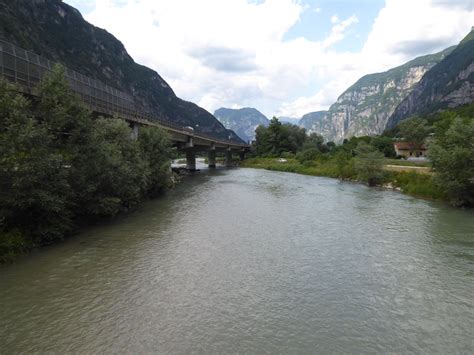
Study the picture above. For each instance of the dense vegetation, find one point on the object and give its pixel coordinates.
(60, 167)
(448, 134)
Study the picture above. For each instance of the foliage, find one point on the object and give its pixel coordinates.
(307, 155)
(384, 145)
(12, 244)
(279, 138)
(61, 167)
(369, 164)
(452, 156)
(156, 151)
(414, 130)
(34, 190)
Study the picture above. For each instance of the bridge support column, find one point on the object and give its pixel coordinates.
(134, 131)
(228, 158)
(242, 156)
(190, 160)
(211, 157)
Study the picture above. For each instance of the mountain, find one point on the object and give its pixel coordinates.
(448, 84)
(365, 107)
(315, 122)
(58, 32)
(291, 120)
(243, 121)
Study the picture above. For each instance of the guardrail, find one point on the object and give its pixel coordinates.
(26, 69)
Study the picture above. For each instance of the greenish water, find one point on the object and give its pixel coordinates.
(252, 261)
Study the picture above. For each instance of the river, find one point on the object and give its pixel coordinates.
(252, 261)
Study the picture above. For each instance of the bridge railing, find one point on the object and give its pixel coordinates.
(26, 69)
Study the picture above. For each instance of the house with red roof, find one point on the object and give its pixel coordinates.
(410, 149)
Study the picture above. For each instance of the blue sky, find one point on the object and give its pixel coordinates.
(283, 57)
(315, 23)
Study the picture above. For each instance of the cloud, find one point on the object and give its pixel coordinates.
(225, 59)
(337, 31)
(233, 53)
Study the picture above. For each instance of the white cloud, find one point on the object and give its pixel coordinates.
(337, 31)
(232, 53)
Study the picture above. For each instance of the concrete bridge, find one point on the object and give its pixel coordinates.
(25, 69)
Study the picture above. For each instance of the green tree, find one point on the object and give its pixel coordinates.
(452, 157)
(369, 164)
(34, 191)
(119, 174)
(384, 145)
(278, 138)
(414, 130)
(156, 152)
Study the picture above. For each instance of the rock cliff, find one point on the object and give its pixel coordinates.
(243, 121)
(448, 84)
(365, 107)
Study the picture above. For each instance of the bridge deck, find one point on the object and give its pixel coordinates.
(26, 69)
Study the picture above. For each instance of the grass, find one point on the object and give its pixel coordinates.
(402, 162)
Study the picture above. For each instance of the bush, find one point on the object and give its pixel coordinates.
(452, 157)
(12, 244)
(369, 164)
(287, 155)
(308, 155)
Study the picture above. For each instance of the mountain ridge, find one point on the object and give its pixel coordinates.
(365, 107)
(58, 32)
(447, 85)
(243, 121)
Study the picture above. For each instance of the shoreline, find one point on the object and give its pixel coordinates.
(406, 182)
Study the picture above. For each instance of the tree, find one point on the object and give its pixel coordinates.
(34, 191)
(414, 130)
(384, 145)
(369, 164)
(278, 138)
(119, 173)
(156, 152)
(452, 157)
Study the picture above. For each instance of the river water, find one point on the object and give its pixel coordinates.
(252, 261)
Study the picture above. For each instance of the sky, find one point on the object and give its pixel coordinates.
(283, 57)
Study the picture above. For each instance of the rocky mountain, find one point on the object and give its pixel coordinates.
(58, 32)
(448, 84)
(243, 121)
(365, 107)
(316, 122)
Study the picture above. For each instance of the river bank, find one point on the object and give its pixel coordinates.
(414, 183)
(15, 243)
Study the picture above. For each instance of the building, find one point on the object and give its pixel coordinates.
(410, 149)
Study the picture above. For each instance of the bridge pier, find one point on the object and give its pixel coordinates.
(134, 133)
(211, 157)
(228, 158)
(242, 155)
(190, 160)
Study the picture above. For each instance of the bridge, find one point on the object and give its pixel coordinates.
(26, 69)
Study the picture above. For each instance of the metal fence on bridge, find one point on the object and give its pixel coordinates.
(26, 69)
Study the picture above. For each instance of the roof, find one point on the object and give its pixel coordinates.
(408, 145)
